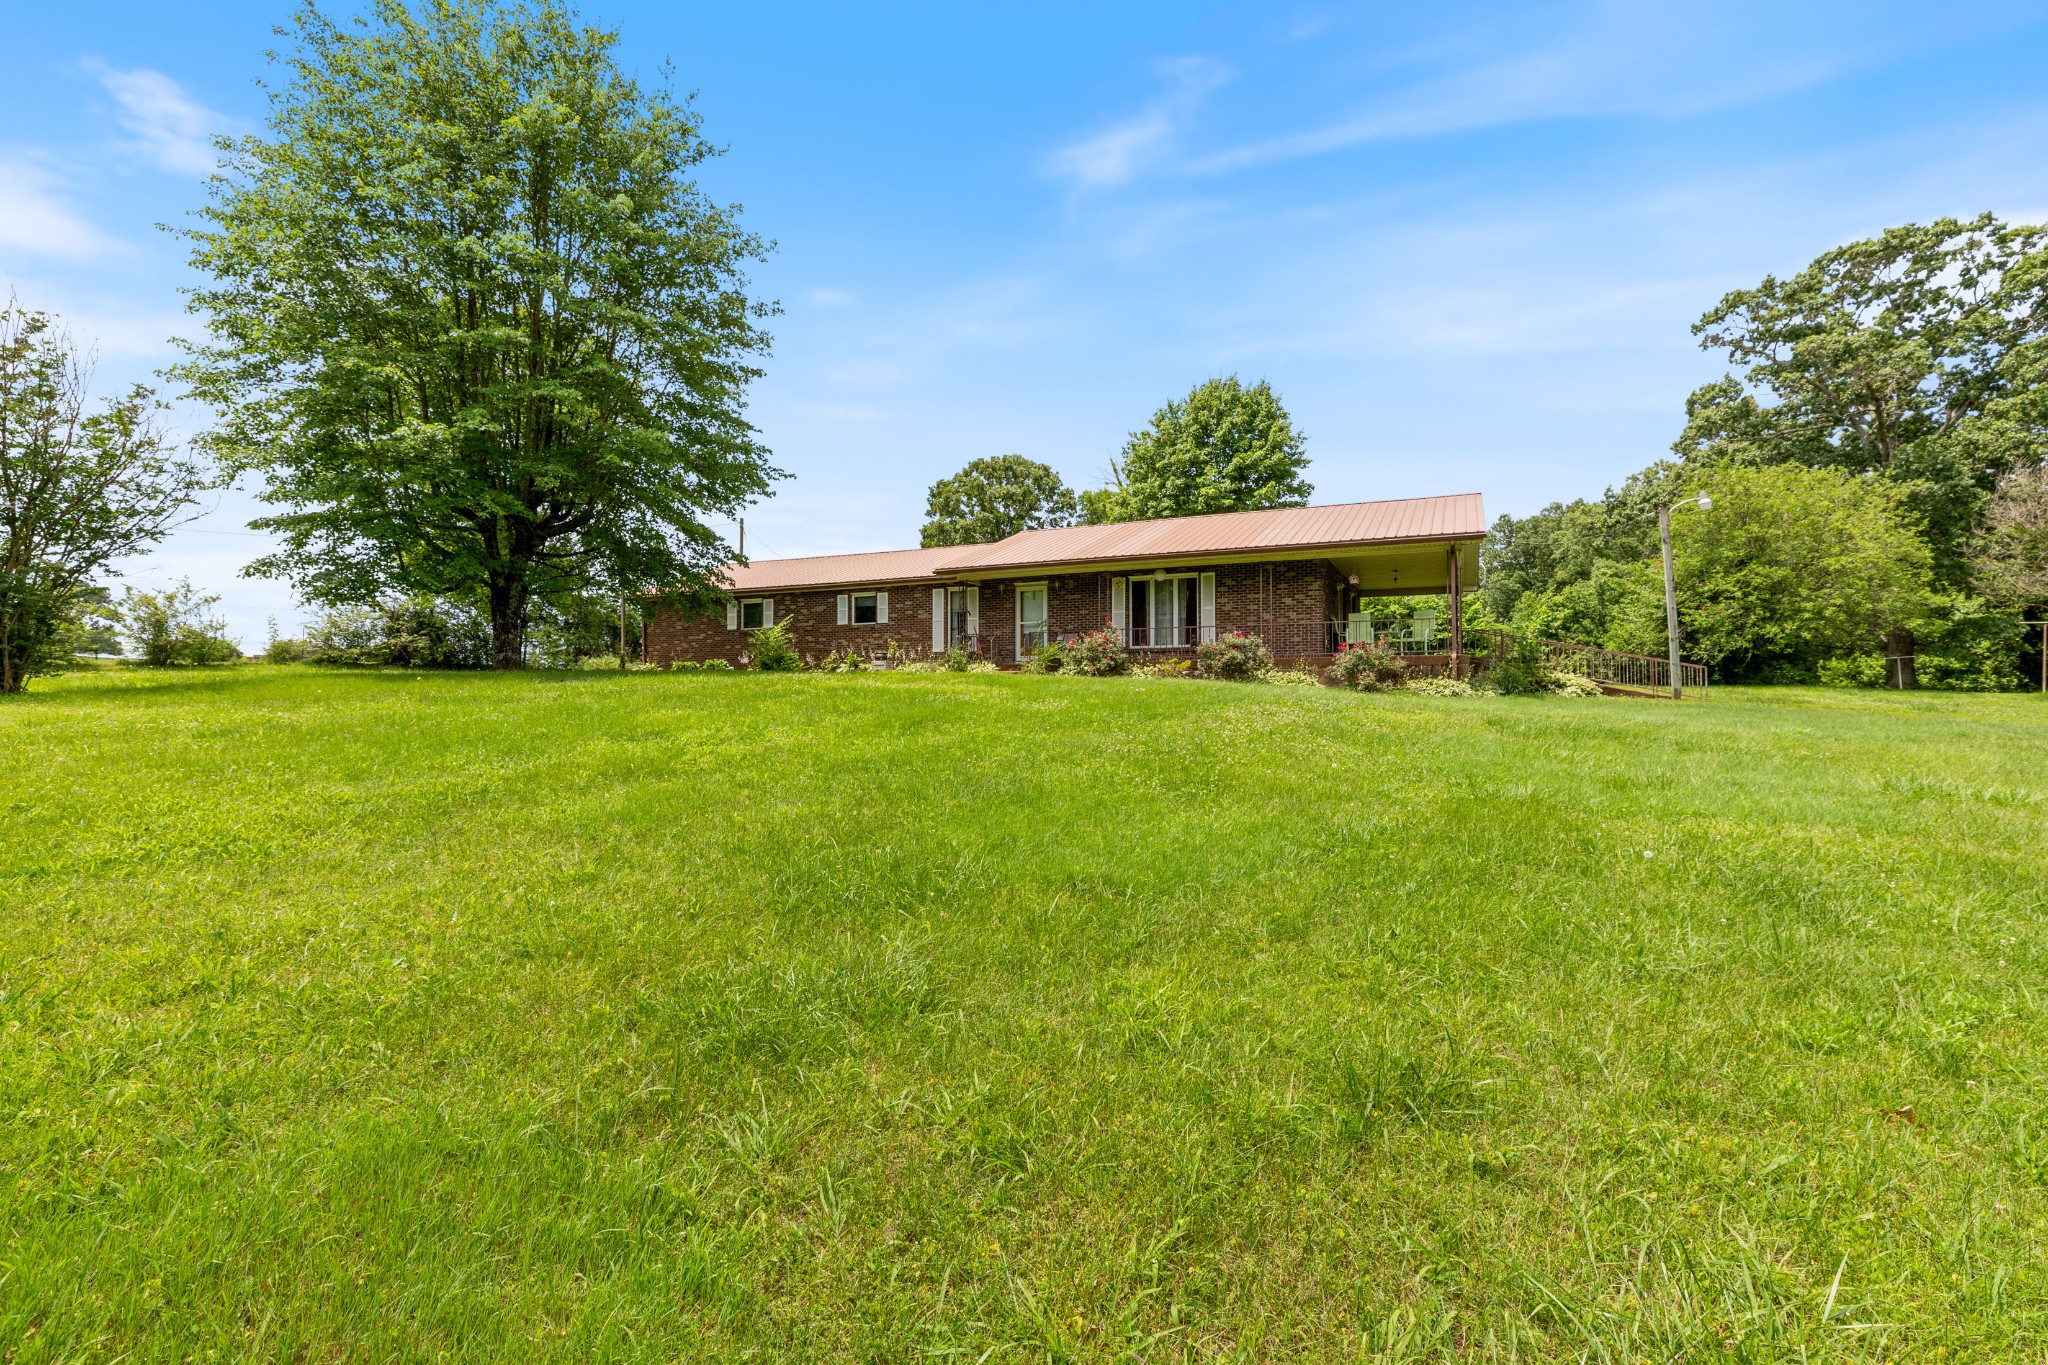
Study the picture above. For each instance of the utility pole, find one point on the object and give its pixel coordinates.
(1671, 587)
(622, 630)
(743, 537)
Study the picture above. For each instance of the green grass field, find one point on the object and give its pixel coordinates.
(387, 1016)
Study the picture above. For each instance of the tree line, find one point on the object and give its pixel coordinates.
(485, 346)
(1875, 459)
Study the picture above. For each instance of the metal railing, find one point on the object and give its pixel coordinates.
(1167, 637)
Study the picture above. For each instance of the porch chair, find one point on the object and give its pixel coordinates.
(1422, 631)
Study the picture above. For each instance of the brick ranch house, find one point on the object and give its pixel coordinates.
(1301, 578)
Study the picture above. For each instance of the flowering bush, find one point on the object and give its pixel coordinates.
(1236, 657)
(1366, 667)
(1098, 654)
(1574, 685)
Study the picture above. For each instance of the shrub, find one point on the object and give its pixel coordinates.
(684, 666)
(1235, 657)
(1366, 667)
(279, 650)
(715, 666)
(1294, 677)
(1165, 668)
(414, 632)
(1440, 687)
(1857, 670)
(176, 626)
(1099, 654)
(836, 662)
(1050, 657)
(773, 650)
(1519, 667)
(1575, 685)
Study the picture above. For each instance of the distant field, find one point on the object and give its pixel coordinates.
(381, 1016)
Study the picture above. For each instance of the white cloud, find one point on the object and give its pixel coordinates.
(35, 218)
(1115, 155)
(1627, 60)
(165, 123)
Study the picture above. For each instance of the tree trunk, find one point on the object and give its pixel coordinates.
(508, 620)
(1898, 660)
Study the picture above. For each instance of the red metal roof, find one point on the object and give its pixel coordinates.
(1281, 530)
(879, 567)
(1459, 516)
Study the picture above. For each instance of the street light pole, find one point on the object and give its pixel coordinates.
(1703, 502)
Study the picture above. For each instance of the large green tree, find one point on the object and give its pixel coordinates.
(79, 489)
(1910, 355)
(1794, 565)
(2009, 560)
(996, 497)
(1227, 447)
(471, 319)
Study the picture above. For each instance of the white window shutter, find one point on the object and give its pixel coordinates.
(842, 609)
(1116, 604)
(881, 609)
(1208, 607)
(973, 610)
(732, 616)
(938, 619)
(767, 611)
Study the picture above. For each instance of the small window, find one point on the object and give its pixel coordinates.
(865, 612)
(753, 613)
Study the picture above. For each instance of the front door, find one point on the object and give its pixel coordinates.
(1031, 631)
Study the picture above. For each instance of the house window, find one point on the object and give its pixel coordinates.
(753, 613)
(864, 609)
(1164, 612)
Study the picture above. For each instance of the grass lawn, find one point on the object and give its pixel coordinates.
(382, 1016)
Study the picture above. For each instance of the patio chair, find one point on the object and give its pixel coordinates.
(1422, 631)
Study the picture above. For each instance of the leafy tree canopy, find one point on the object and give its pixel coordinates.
(1564, 543)
(1915, 355)
(1793, 565)
(993, 498)
(472, 321)
(79, 489)
(2009, 559)
(1225, 448)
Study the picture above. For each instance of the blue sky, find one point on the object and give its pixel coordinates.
(1464, 242)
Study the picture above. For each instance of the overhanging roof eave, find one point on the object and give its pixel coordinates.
(1239, 556)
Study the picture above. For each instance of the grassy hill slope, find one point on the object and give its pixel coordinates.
(588, 1017)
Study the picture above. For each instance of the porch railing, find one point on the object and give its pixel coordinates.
(1617, 668)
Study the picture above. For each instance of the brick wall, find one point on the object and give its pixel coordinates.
(1290, 607)
(814, 625)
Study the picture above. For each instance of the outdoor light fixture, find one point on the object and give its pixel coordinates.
(1354, 580)
(1159, 575)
